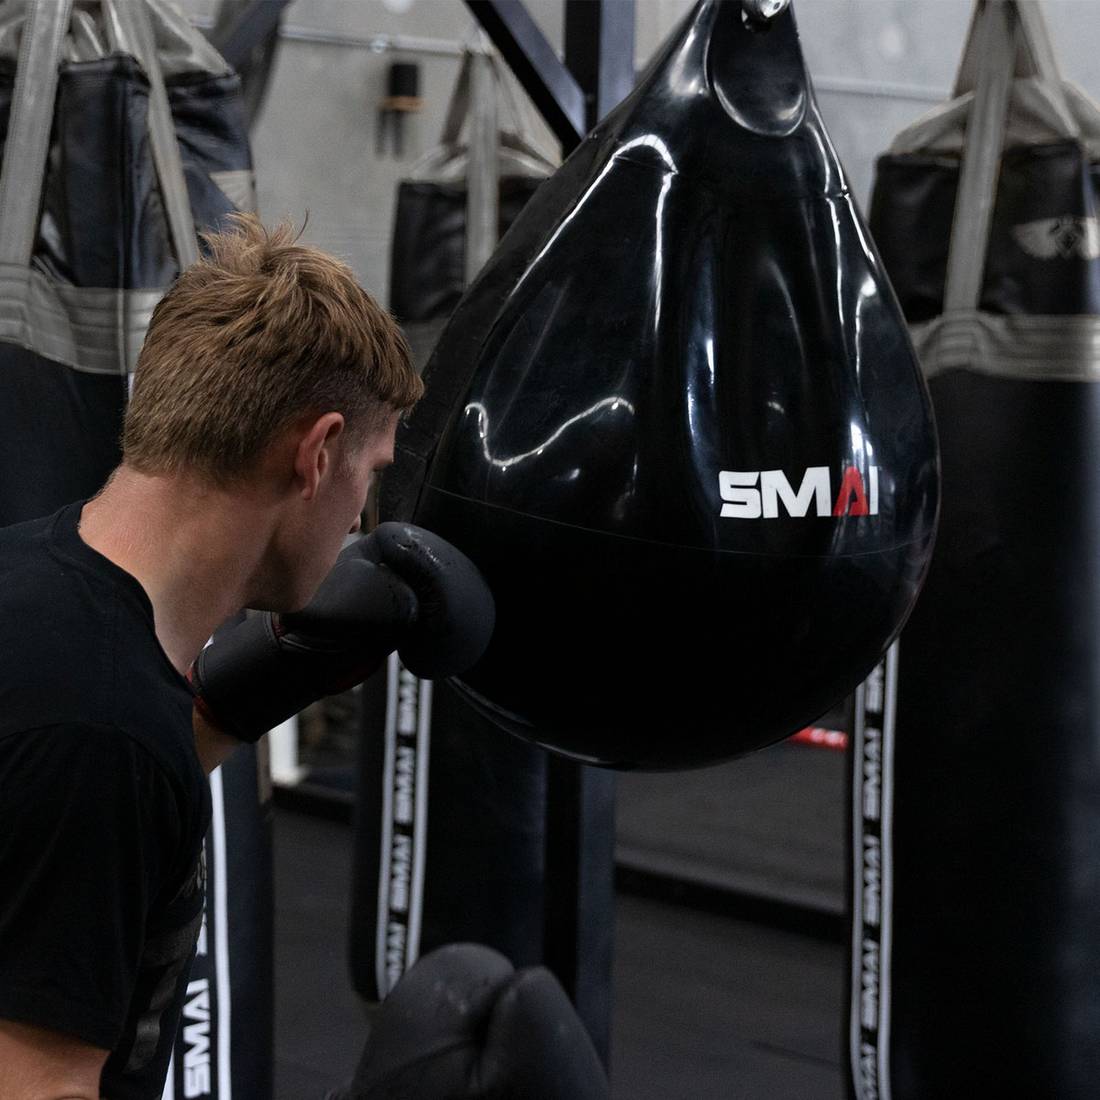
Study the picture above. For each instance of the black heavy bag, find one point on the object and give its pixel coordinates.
(123, 130)
(450, 813)
(450, 833)
(976, 810)
(428, 263)
(679, 425)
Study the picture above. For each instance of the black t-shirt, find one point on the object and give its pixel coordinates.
(103, 807)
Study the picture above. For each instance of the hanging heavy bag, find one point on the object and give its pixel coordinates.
(122, 131)
(428, 268)
(679, 425)
(450, 823)
(976, 808)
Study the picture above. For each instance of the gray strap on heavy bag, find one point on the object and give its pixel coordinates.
(98, 207)
(975, 961)
(450, 831)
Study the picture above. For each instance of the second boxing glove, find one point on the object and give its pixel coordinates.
(463, 1024)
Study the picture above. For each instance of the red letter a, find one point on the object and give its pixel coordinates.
(851, 500)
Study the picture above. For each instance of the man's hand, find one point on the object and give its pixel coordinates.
(400, 587)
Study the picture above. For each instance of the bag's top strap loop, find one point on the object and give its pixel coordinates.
(1035, 117)
(1036, 54)
(134, 19)
(994, 35)
(1008, 79)
(93, 34)
(459, 104)
(1042, 107)
(446, 160)
(48, 31)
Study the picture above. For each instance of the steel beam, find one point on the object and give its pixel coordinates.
(552, 87)
(599, 52)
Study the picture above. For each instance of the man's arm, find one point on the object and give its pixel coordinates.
(37, 1064)
(87, 820)
(400, 587)
(213, 745)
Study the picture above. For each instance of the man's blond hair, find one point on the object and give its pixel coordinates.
(257, 334)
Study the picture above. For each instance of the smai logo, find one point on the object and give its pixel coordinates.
(766, 494)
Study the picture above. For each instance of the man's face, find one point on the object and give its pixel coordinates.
(312, 540)
(350, 484)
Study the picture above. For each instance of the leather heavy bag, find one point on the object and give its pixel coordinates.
(450, 833)
(976, 809)
(123, 130)
(428, 252)
(450, 824)
(679, 425)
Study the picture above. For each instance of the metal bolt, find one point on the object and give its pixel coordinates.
(763, 10)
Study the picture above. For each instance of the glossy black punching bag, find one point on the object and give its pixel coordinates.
(683, 430)
(976, 825)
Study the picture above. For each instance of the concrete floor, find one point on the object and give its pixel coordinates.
(705, 1007)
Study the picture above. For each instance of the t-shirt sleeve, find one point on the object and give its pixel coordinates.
(86, 832)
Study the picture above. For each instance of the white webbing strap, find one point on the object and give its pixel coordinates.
(482, 166)
(30, 123)
(1007, 38)
(994, 34)
(133, 18)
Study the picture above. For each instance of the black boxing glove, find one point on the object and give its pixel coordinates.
(462, 1024)
(399, 587)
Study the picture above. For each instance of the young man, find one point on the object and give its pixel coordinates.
(265, 401)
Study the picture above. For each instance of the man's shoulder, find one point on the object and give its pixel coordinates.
(68, 741)
(24, 546)
(40, 701)
(78, 645)
(25, 530)
(48, 767)
(76, 649)
(31, 572)
(84, 756)
(54, 630)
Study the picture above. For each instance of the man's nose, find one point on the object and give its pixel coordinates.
(356, 526)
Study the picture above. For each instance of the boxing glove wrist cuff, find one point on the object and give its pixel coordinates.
(246, 682)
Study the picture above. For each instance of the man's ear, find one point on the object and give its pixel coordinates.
(317, 451)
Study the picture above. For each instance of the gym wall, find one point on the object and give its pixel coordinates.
(876, 64)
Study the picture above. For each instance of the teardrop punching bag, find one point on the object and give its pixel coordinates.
(976, 812)
(679, 425)
(122, 129)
